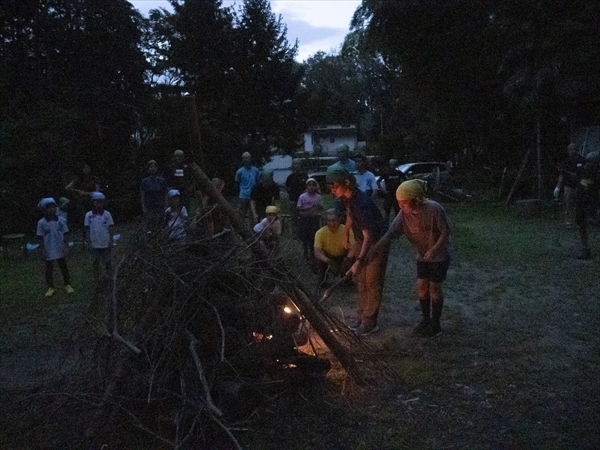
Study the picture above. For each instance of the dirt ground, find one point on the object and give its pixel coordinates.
(517, 364)
(516, 367)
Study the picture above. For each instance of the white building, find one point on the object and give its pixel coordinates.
(324, 141)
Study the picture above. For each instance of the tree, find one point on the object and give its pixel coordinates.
(242, 72)
(266, 80)
(71, 75)
(482, 73)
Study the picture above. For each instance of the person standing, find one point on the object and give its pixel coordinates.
(365, 179)
(153, 194)
(391, 179)
(80, 189)
(426, 225)
(176, 216)
(295, 184)
(52, 232)
(99, 235)
(586, 202)
(365, 220)
(568, 180)
(246, 178)
(264, 193)
(330, 254)
(176, 176)
(344, 161)
(310, 205)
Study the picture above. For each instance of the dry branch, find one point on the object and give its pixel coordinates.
(289, 282)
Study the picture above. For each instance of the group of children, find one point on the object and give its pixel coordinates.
(52, 232)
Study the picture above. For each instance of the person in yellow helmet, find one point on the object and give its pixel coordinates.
(426, 225)
(269, 230)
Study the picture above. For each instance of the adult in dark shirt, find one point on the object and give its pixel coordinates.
(153, 194)
(176, 176)
(364, 218)
(391, 178)
(587, 199)
(568, 180)
(80, 190)
(295, 184)
(264, 193)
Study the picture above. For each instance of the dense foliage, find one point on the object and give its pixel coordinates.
(479, 75)
(93, 80)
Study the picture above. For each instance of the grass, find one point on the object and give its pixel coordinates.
(28, 319)
(516, 366)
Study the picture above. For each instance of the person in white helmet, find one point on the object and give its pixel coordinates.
(98, 225)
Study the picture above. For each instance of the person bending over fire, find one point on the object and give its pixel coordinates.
(426, 226)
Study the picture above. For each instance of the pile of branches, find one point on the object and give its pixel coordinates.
(196, 335)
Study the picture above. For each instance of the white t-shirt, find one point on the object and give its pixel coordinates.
(366, 181)
(99, 225)
(53, 234)
(176, 222)
(270, 229)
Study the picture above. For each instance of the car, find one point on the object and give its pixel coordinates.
(427, 171)
(424, 169)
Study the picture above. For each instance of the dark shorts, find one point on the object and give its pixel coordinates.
(100, 254)
(433, 271)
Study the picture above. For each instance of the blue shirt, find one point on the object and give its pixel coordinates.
(349, 165)
(155, 189)
(365, 215)
(247, 177)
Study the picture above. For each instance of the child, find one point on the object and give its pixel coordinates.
(427, 228)
(269, 230)
(98, 225)
(52, 233)
(176, 216)
(309, 207)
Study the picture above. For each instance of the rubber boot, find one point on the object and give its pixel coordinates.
(436, 314)
(423, 327)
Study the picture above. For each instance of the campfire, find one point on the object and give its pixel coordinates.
(196, 336)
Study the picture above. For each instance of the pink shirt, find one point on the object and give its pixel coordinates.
(307, 201)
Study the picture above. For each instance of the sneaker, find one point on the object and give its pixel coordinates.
(69, 289)
(423, 328)
(50, 292)
(354, 323)
(364, 330)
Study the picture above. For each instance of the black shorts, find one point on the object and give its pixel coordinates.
(433, 271)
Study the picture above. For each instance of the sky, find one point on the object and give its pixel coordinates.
(319, 25)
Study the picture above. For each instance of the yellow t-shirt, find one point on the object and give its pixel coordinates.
(332, 243)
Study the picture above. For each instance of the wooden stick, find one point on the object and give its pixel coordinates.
(303, 301)
(521, 169)
(207, 397)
